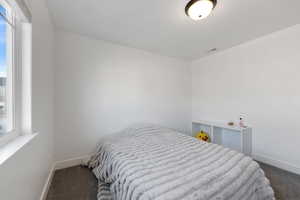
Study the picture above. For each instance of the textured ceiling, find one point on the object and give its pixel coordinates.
(161, 26)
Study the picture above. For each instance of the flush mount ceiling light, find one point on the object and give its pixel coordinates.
(200, 9)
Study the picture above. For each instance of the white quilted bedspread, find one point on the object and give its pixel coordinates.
(153, 163)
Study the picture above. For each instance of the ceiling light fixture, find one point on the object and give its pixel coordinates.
(200, 9)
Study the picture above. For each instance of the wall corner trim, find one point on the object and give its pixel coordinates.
(277, 163)
(48, 183)
(72, 162)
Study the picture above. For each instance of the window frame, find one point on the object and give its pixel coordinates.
(20, 122)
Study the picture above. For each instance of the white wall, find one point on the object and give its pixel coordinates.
(24, 174)
(261, 80)
(102, 88)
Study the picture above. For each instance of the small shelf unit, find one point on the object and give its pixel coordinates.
(233, 137)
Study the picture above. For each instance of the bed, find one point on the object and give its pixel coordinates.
(150, 162)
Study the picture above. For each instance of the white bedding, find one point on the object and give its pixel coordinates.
(153, 163)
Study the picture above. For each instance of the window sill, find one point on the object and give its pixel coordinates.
(15, 145)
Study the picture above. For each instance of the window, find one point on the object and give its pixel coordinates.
(7, 29)
(15, 53)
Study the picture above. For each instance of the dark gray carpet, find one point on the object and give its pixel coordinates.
(75, 183)
(78, 183)
(285, 184)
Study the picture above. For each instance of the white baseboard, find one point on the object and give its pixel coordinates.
(48, 183)
(72, 162)
(62, 165)
(277, 163)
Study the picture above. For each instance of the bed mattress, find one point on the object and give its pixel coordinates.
(149, 162)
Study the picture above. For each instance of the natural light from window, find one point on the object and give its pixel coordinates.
(15, 77)
(5, 30)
